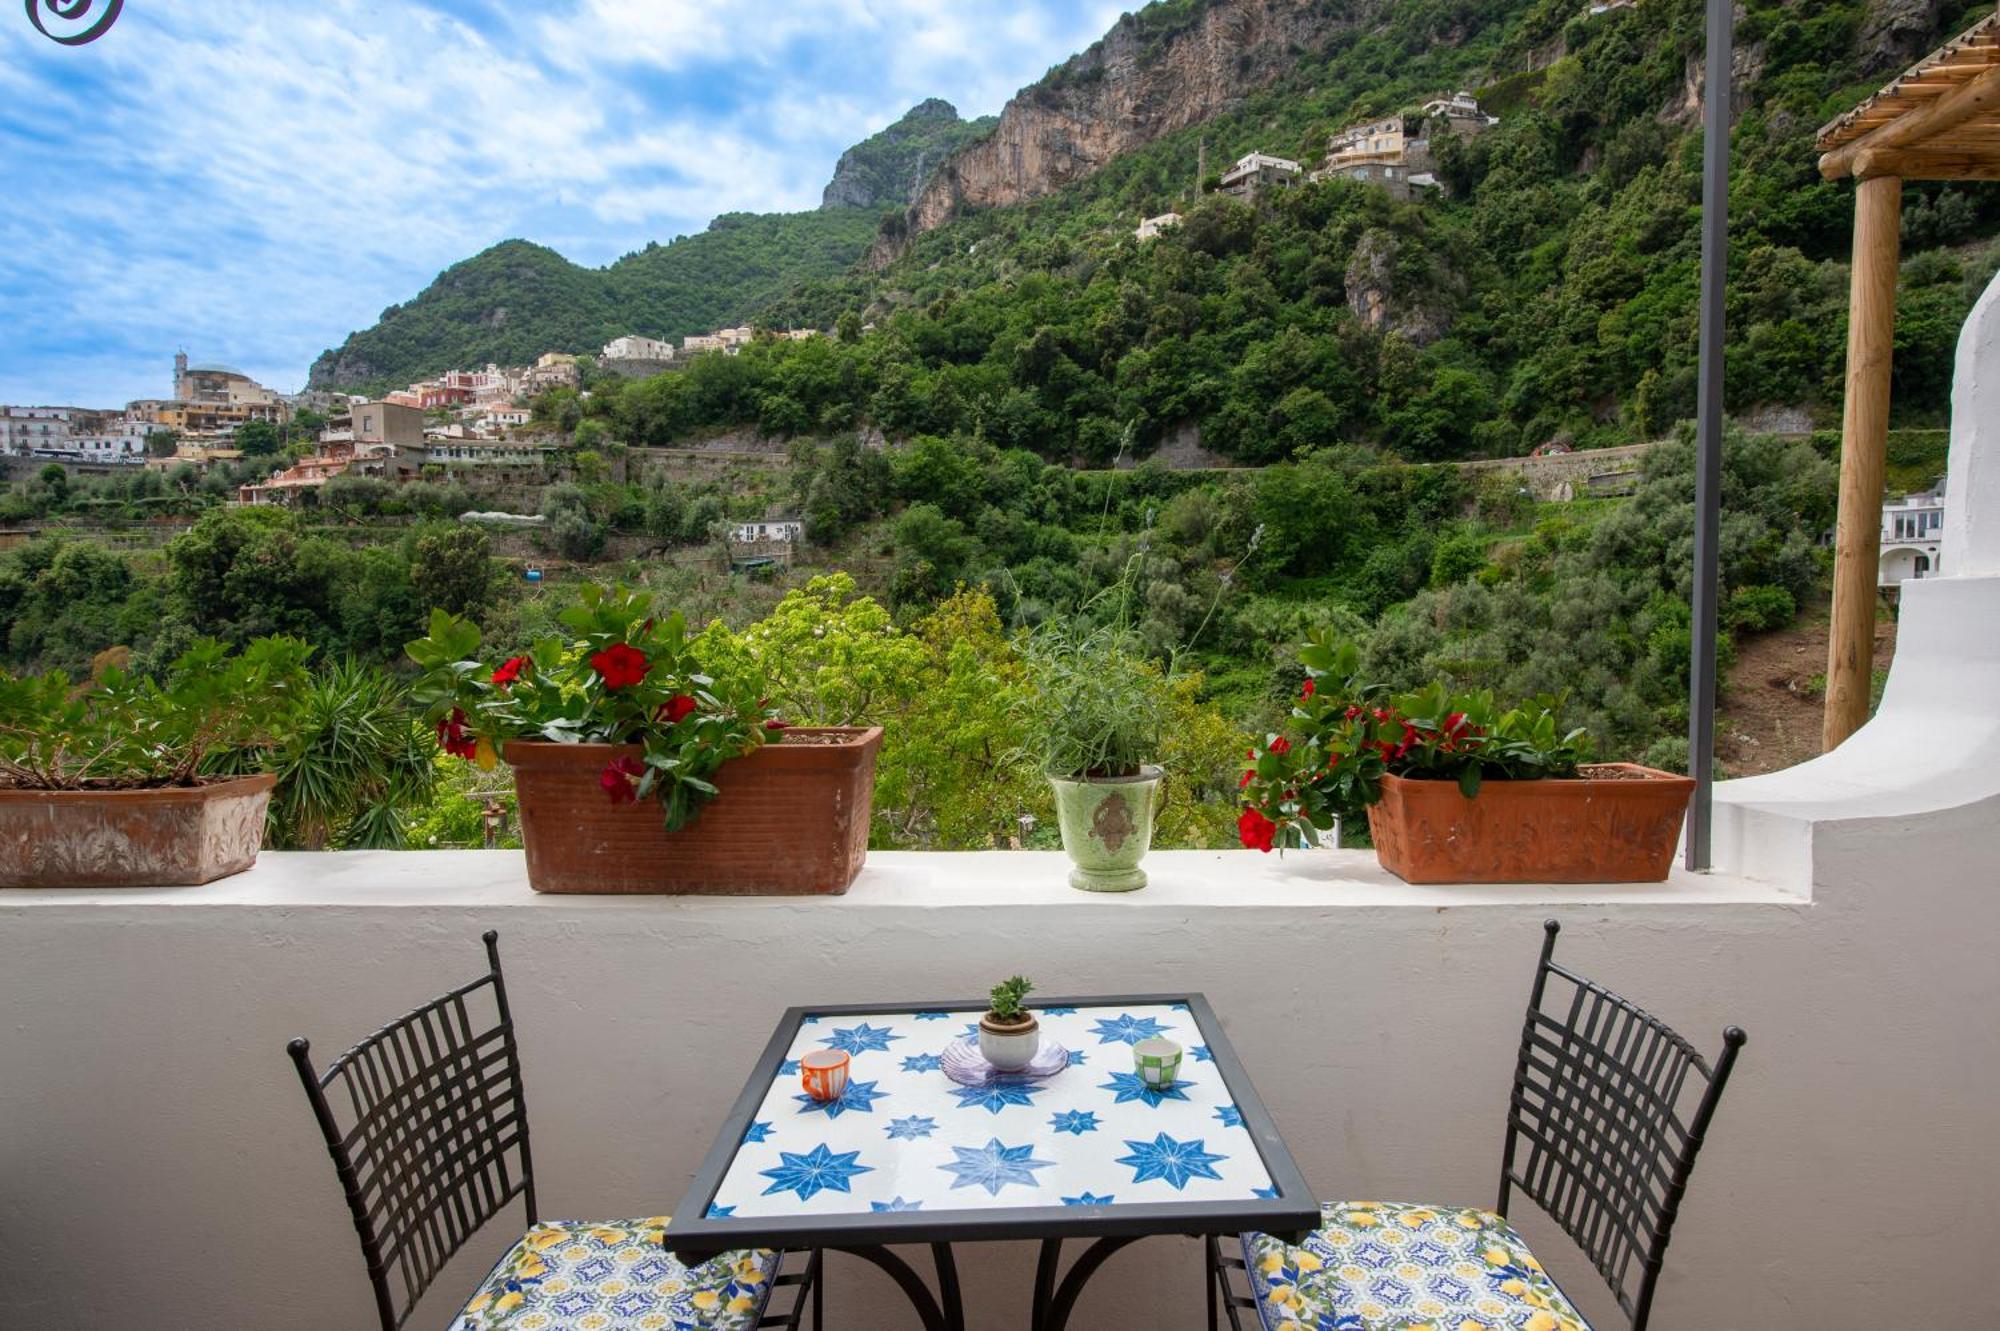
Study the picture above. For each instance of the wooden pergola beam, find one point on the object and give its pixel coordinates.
(1976, 97)
(1916, 164)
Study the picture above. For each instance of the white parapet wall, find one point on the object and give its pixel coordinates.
(161, 1170)
(1925, 760)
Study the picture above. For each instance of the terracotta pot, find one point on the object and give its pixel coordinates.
(1604, 829)
(789, 819)
(1009, 1046)
(172, 837)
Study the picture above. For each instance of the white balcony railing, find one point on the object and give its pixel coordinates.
(162, 1170)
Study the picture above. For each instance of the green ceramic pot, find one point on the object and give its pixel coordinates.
(1107, 828)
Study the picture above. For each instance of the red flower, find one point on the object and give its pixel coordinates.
(1255, 830)
(673, 709)
(1353, 712)
(1307, 691)
(621, 665)
(775, 726)
(453, 737)
(620, 779)
(1281, 746)
(1249, 775)
(510, 670)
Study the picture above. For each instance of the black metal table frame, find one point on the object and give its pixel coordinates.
(1292, 1211)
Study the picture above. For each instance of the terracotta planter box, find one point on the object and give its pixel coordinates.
(1595, 829)
(173, 837)
(790, 819)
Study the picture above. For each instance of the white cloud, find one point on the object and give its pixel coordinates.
(253, 181)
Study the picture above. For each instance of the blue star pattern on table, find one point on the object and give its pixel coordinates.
(994, 1166)
(814, 1171)
(1130, 1087)
(721, 1212)
(1201, 1054)
(860, 1039)
(1078, 1121)
(1170, 1162)
(1127, 1029)
(997, 1096)
(911, 1128)
(857, 1097)
(902, 1117)
(896, 1203)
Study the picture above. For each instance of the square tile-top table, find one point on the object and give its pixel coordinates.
(907, 1155)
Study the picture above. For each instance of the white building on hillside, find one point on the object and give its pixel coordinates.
(774, 529)
(1255, 172)
(699, 342)
(1151, 227)
(27, 431)
(1912, 535)
(634, 347)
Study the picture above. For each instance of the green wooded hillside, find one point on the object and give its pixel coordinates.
(1550, 290)
(517, 300)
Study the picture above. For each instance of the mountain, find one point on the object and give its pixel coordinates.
(517, 300)
(1546, 290)
(1171, 65)
(887, 169)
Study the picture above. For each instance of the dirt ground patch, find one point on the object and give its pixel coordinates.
(1771, 710)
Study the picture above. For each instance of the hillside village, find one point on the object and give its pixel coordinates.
(475, 426)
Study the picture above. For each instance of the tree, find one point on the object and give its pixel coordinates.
(257, 438)
(453, 570)
(162, 443)
(54, 479)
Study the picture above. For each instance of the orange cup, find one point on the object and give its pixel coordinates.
(824, 1072)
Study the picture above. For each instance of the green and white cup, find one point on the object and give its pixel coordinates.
(1157, 1061)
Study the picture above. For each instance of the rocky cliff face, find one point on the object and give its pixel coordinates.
(1143, 79)
(887, 169)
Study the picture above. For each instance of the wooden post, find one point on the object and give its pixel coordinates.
(1864, 437)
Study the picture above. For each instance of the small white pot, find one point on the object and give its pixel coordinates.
(1009, 1048)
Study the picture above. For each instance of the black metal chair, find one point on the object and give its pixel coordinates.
(1596, 1136)
(428, 1130)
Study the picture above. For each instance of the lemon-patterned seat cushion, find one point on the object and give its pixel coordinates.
(614, 1275)
(1398, 1266)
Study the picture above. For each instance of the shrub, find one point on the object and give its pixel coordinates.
(1760, 609)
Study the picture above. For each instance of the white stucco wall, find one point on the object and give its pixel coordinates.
(161, 1171)
(1972, 536)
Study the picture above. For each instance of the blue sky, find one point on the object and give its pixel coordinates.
(253, 179)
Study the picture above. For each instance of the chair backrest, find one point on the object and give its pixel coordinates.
(1607, 1114)
(428, 1130)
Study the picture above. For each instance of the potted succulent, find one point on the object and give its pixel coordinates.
(636, 769)
(1098, 712)
(124, 781)
(1009, 1034)
(1456, 788)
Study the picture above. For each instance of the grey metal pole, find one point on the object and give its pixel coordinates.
(1708, 430)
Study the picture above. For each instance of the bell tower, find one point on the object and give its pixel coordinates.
(181, 393)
